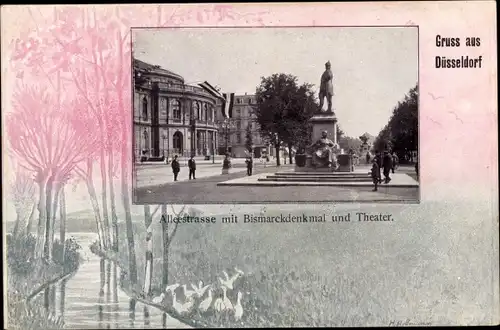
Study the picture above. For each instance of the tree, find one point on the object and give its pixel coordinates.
(49, 142)
(349, 143)
(283, 109)
(148, 272)
(340, 133)
(99, 74)
(404, 124)
(167, 238)
(23, 192)
(383, 140)
(401, 132)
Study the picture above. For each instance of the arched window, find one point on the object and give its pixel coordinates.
(197, 110)
(144, 108)
(177, 142)
(176, 109)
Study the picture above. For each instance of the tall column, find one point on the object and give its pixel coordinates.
(155, 127)
(194, 141)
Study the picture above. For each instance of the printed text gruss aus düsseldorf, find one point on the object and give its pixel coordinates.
(442, 62)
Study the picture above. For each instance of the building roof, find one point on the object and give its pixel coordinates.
(156, 69)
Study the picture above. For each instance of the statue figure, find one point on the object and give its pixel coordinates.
(326, 88)
(323, 152)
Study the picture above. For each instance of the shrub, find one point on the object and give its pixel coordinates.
(24, 316)
(71, 258)
(21, 254)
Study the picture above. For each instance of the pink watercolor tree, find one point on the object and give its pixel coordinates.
(100, 75)
(49, 142)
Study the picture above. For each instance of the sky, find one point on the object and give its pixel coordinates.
(373, 67)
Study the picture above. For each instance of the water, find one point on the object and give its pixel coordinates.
(92, 298)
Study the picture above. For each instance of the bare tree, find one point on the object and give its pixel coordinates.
(167, 238)
(23, 192)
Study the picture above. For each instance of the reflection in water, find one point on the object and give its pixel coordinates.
(74, 298)
(131, 314)
(46, 298)
(146, 316)
(53, 298)
(100, 302)
(62, 294)
(108, 294)
(115, 295)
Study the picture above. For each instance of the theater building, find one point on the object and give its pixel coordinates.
(171, 117)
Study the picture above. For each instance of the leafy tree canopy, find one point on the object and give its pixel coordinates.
(401, 132)
(283, 109)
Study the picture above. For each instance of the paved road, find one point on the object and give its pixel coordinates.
(205, 191)
(152, 175)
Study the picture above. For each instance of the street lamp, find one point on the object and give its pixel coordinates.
(227, 125)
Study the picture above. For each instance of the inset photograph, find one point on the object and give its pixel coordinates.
(275, 115)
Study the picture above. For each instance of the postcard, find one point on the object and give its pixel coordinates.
(250, 165)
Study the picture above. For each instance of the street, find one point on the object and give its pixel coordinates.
(155, 185)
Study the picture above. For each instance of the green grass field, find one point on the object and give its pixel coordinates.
(338, 274)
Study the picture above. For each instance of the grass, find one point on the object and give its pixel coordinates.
(336, 274)
(25, 274)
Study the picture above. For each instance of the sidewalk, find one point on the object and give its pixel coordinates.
(218, 160)
(148, 176)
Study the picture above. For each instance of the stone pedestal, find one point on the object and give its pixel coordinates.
(345, 163)
(324, 121)
(321, 121)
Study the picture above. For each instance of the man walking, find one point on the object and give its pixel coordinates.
(375, 174)
(192, 168)
(387, 164)
(249, 162)
(176, 168)
(395, 161)
(378, 159)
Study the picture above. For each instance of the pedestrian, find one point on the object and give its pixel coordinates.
(249, 162)
(387, 165)
(176, 168)
(378, 159)
(416, 168)
(395, 161)
(368, 158)
(192, 168)
(375, 174)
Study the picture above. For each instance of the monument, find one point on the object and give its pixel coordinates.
(322, 154)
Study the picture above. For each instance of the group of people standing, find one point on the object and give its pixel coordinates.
(384, 161)
(176, 168)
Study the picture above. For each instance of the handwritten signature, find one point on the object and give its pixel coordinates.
(407, 322)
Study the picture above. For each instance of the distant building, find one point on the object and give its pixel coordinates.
(171, 117)
(236, 135)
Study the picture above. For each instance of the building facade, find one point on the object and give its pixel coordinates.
(170, 117)
(233, 132)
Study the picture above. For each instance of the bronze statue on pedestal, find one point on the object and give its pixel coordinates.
(323, 152)
(326, 88)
